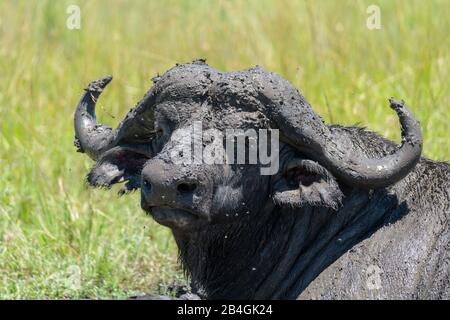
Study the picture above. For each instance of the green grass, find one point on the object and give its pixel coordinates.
(54, 230)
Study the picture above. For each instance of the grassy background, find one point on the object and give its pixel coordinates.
(60, 239)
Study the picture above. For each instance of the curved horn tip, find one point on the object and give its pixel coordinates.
(407, 120)
(396, 104)
(91, 137)
(99, 84)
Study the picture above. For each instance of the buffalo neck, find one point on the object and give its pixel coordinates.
(278, 252)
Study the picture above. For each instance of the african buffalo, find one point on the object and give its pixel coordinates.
(348, 214)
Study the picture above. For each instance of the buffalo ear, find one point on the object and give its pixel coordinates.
(306, 183)
(115, 166)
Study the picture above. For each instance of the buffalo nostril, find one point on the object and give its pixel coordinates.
(186, 187)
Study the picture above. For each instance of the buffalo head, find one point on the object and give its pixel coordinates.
(317, 162)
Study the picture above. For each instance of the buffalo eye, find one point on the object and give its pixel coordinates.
(300, 176)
